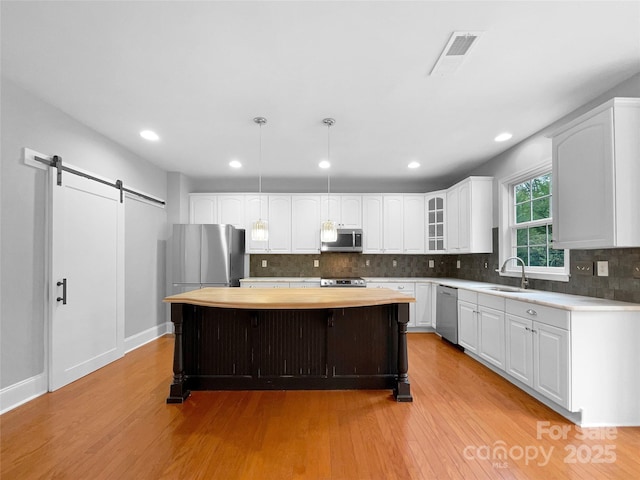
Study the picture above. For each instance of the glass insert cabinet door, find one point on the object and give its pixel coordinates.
(435, 224)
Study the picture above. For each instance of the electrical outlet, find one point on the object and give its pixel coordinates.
(457, 263)
(584, 268)
(636, 270)
(486, 264)
(395, 263)
(432, 264)
(603, 269)
(367, 263)
(316, 263)
(264, 263)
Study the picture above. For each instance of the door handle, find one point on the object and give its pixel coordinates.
(63, 298)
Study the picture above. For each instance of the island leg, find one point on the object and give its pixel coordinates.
(178, 391)
(402, 392)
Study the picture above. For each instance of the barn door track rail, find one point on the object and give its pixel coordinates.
(56, 163)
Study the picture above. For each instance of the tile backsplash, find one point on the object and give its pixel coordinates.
(618, 285)
(350, 265)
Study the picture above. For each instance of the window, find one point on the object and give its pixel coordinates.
(527, 226)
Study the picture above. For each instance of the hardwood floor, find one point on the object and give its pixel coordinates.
(115, 424)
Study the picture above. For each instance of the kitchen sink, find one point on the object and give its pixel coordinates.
(509, 289)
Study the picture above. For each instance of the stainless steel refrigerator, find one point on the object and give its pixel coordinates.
(207, 256)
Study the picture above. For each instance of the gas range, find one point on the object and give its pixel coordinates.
(343, 282)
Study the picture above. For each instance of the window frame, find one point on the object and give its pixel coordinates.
(506, 205)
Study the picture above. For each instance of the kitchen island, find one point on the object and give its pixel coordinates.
(296, 338)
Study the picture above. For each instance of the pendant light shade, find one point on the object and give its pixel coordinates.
(260, 231)
(328, 229)
(260, 228)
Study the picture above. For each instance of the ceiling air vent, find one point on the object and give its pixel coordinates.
(454, 53)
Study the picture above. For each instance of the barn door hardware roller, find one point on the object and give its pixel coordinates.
(56, 163)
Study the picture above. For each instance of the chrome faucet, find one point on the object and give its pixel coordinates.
(525, 281)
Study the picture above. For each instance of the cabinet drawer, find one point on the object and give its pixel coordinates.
(492, 301)
(540, 313)
(304, 284)
(265, 284)
(402, 287)
(467, 296)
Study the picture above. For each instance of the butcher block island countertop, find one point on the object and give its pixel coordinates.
(290, 339)
(290, 298)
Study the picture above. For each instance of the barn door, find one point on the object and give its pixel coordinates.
(87, 278)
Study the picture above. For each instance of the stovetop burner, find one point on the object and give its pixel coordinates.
(343, 282)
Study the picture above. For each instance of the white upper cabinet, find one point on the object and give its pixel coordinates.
(345, 210)
(469, 218)
(256, 207)
(305, 221)
(203, 208)
(435, 225)
(410, 224)
(393, 224)
(279, 224)
(372, 223)
(596, 171)
(231, 210)
(351, 211)
(413, 224)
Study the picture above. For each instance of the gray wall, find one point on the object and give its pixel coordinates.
(537, 148)
(26, 121)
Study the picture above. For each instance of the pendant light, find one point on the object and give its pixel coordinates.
(260, 228)
(328, 230)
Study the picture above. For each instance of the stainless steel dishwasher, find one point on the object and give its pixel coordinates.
(447, 313)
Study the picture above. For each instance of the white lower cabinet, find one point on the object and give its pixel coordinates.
(406, 288)
(519, 353)
(551, 362)
(468, 320)
(538, 349)
(529, 342)
(575, 361)
(538, 356)
(424, 305)
(491, 345)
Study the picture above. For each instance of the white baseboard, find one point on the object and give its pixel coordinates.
(19, 393)
(149, 335)
(15, 395)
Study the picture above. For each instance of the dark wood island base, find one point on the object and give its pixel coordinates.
(223, 348)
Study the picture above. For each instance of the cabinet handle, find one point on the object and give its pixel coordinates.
(532, 312)
(534, 331)
(401, 287)
(527, 329)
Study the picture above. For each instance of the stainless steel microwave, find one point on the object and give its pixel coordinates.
(349, 240)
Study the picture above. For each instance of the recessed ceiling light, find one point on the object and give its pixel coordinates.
(149, 135)
(235, 164)
(413, 165)
(324, 164)
(503, 137)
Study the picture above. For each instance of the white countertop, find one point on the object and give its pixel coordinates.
(540, 297)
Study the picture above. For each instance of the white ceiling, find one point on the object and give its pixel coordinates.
(198, 73)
